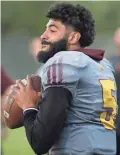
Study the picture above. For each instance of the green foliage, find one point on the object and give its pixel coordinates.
(29, 16)
(16, 143)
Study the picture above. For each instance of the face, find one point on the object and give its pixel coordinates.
(53, 40)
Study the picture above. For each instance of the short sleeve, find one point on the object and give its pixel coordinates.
(61, 71)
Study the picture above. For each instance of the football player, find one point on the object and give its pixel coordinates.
(115, 60)
(6, 82)
(78, 108)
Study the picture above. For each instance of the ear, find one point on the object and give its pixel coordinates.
(74, 38)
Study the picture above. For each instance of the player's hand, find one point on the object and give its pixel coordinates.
(26, 97)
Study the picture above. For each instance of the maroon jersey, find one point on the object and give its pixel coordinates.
(5, 81)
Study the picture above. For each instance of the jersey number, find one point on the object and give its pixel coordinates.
(109, 104)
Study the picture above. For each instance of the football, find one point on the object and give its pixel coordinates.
(13, 114)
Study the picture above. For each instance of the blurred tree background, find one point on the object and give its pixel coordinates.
(22, 21)
(29, 17)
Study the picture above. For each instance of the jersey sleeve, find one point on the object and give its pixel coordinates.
(63, 71)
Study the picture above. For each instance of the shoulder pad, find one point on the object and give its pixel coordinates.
(62, 69)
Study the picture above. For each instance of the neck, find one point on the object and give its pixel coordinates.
(73, 47)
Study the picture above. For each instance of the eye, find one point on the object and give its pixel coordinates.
(52, 31)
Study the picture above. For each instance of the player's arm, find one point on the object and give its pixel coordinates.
(43, 126)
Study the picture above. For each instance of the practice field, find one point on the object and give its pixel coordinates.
(16, 143)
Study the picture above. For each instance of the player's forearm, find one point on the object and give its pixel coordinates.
(35, 132)
(43, 127)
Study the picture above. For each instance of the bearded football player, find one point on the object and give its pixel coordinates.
(77, 110)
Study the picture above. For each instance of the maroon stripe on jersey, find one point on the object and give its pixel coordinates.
(60, 70)
(54, 72)
(48, 76)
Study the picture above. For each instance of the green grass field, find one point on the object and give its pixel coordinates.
(16, 143)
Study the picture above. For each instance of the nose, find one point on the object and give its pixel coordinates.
(44, 36)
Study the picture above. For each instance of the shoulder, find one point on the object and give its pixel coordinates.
(108, 64)
(72, 58)
(63, 67)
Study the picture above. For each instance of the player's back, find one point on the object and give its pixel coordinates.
(89, 127)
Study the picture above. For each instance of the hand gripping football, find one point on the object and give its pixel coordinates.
(13, 114)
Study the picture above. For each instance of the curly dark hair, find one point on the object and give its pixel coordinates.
(76, 16)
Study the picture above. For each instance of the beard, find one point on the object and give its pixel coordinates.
(55, 47)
